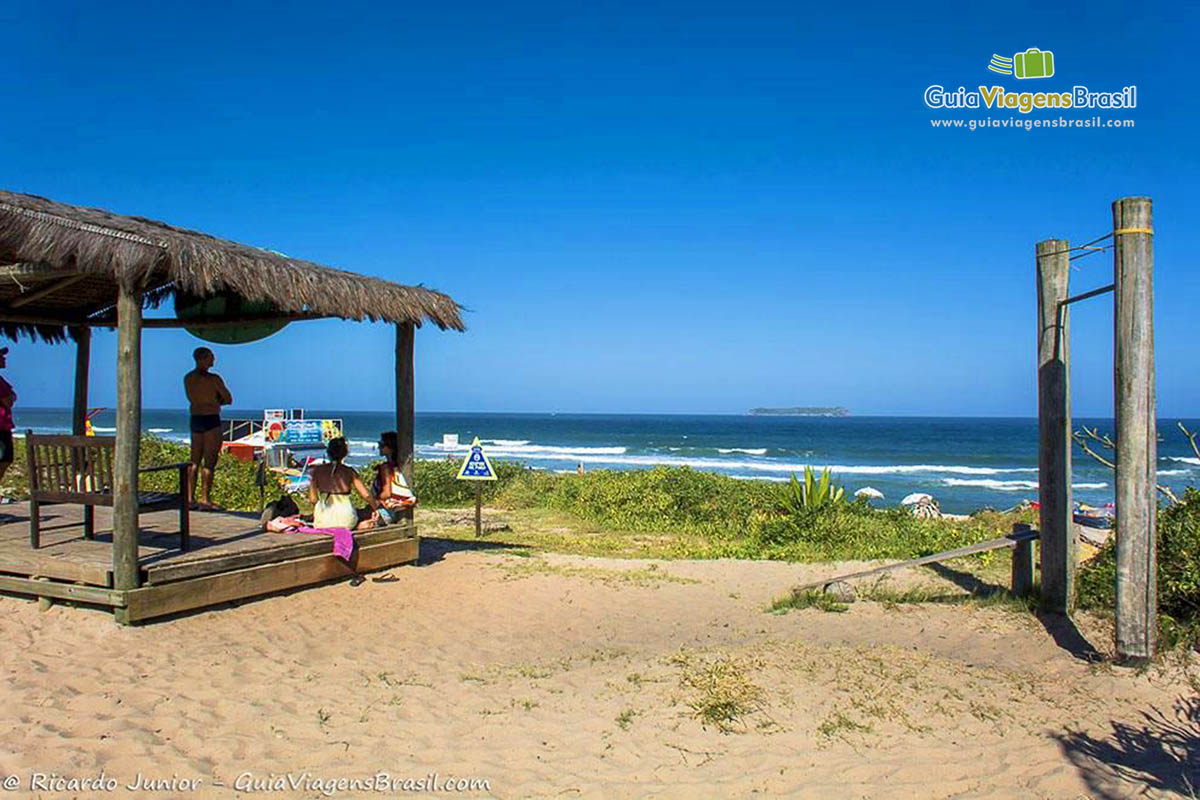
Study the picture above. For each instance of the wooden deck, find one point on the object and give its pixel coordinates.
(230, 559)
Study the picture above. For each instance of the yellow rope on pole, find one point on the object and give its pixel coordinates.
(1119, 231)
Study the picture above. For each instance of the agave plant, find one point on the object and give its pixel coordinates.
(814, 492)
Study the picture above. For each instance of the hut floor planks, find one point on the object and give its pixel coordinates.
(230, 559)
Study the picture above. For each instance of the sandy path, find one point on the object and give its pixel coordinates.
(561, 676)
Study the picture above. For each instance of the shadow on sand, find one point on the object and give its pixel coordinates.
(434, 549)
(1060, 628)
(1161, 754)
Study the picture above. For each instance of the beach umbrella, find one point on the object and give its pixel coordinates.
(869, 492)
(916, 497)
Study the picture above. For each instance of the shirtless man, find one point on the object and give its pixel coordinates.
(206, 394)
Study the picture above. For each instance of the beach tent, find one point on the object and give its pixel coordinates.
(67, 269)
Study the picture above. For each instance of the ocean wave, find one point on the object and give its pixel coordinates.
(98, 429)
(1175, 472)
(531, 450)
(750, 451)
(1011, 486)
(771, 478)
(154, 430)
(506, 442)
(1185, 460)
(618, 457)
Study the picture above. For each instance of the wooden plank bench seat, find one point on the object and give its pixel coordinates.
(79, 470)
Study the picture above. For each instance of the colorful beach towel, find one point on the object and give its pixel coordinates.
(343, 539)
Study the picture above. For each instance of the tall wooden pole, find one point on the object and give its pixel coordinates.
(405, 335)
(478, 509)
(129, 431)
(1054, 428)
(83, 355)
(1137, 435)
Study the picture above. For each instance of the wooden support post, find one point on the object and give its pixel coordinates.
(129, 431)
(79, 408)
(1022, 563)
(83, 357)
(478, 509)
(1137, 445)
(45, 603)
(1054, 428)
(405, 335)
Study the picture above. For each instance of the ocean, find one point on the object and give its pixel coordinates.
(966, 463)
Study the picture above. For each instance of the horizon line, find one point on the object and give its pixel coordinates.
(68, 409)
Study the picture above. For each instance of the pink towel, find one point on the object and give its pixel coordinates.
(343, 540)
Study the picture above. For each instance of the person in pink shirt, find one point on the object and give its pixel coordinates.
(7, 398)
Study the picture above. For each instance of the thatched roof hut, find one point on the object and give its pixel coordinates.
(63, 265)
(67, 269)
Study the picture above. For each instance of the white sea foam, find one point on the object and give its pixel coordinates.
(506, 442)
(1175, 472)
(98, 429)
(532, 450)
(155, 430)
(750, 451)
(618, 457)
(771, 478)
(1011, 486)
(1186, 460)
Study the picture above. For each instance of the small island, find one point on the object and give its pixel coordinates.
(801, 411)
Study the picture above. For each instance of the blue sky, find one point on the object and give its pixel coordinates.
(660, 207)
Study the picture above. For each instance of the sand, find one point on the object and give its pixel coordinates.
(565, 676)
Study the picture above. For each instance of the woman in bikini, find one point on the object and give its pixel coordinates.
(329, 491)
(389, 485)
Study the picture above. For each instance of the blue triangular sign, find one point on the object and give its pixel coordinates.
(475, 466)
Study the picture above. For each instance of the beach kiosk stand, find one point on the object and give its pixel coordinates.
(69, 269)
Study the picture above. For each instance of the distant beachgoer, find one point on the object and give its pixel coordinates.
(579, 469)
(206, 393)
(390, 486)
(329, 491)
(7, 398)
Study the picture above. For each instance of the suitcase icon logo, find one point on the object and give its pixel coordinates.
(1033, 63)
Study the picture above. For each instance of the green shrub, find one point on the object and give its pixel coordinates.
(1178, 549)
(658, 499)
(234, 482)
(855, 531)
(16, 483)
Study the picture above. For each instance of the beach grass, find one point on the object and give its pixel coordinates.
(889, 596)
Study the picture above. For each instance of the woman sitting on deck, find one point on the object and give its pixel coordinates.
(329, 491)
(390, 486)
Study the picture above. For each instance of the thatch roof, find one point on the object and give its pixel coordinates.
(88, 253)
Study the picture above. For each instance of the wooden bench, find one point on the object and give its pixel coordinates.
(79, 470)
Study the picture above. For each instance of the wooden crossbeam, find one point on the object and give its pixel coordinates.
(169, 322)
(1012, 540)
(46, 291)
(34, 272)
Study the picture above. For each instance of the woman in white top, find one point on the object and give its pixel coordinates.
(329, 490)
